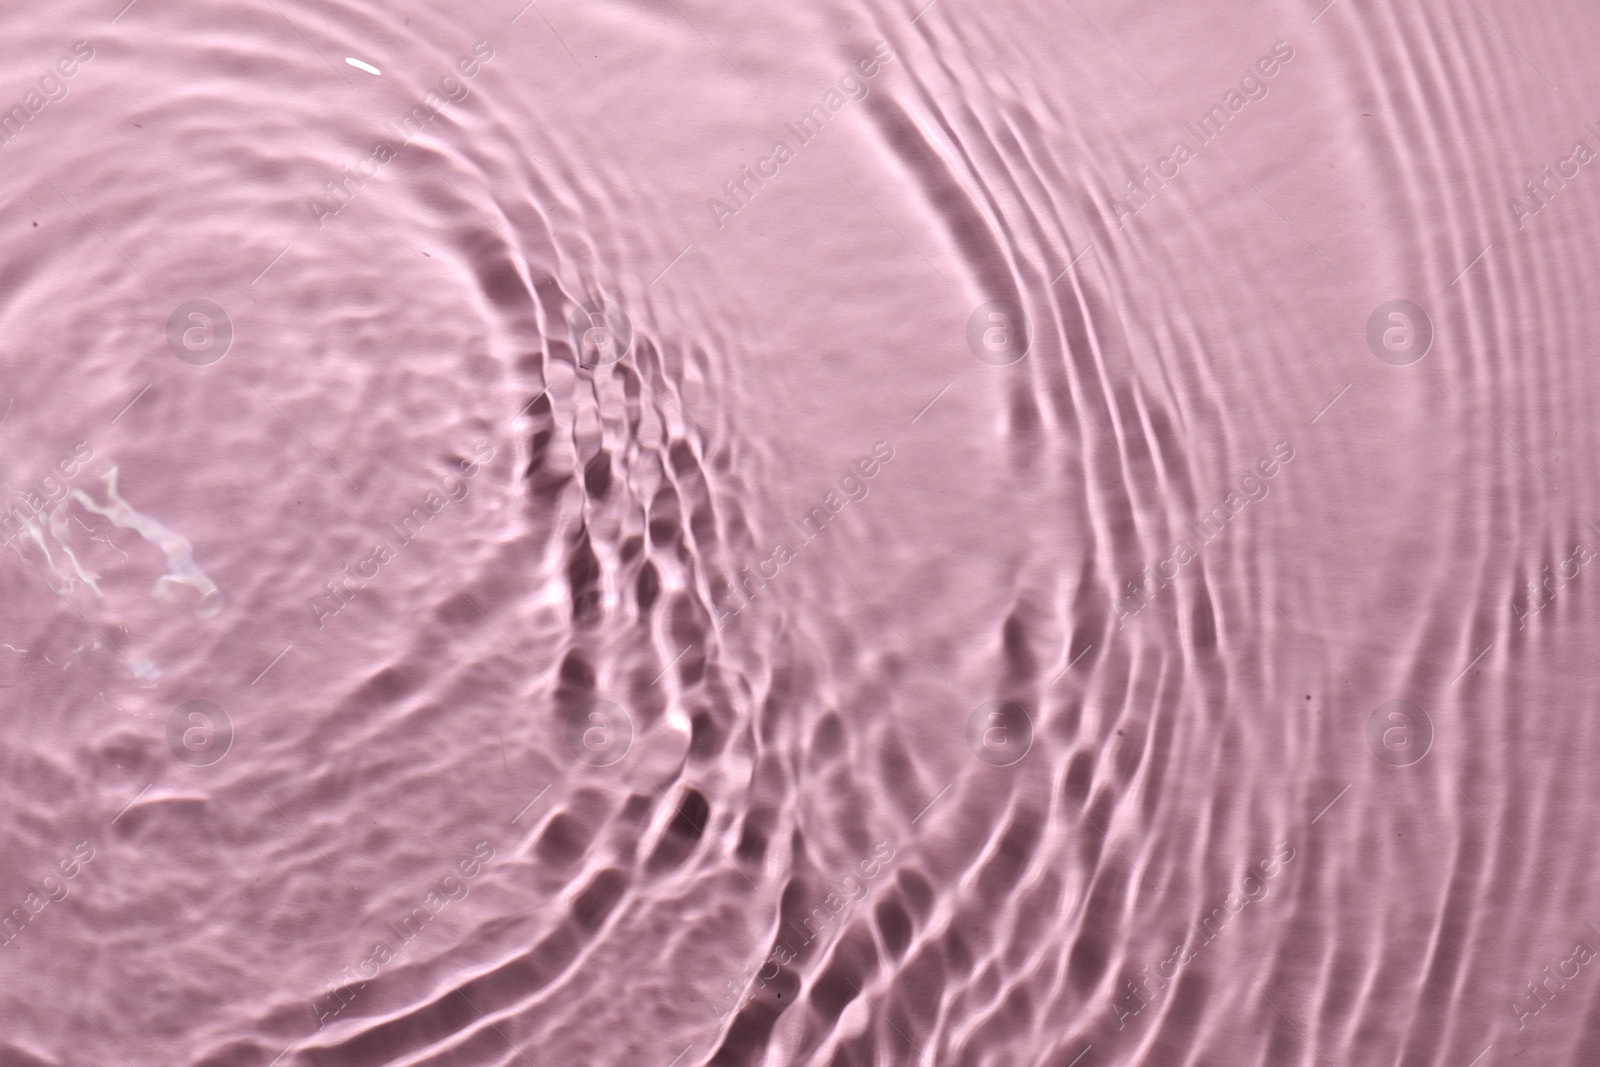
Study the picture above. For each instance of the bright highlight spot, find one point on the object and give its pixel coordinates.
(179, 552)
(369, 68)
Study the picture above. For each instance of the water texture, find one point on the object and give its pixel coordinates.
(669, 534)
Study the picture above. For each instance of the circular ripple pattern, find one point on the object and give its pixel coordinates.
(828, 535)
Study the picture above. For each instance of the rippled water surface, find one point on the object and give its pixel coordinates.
(669, 534)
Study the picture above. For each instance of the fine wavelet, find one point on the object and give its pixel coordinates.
(902, 533)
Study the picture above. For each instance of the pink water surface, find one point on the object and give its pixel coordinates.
(666, 534)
